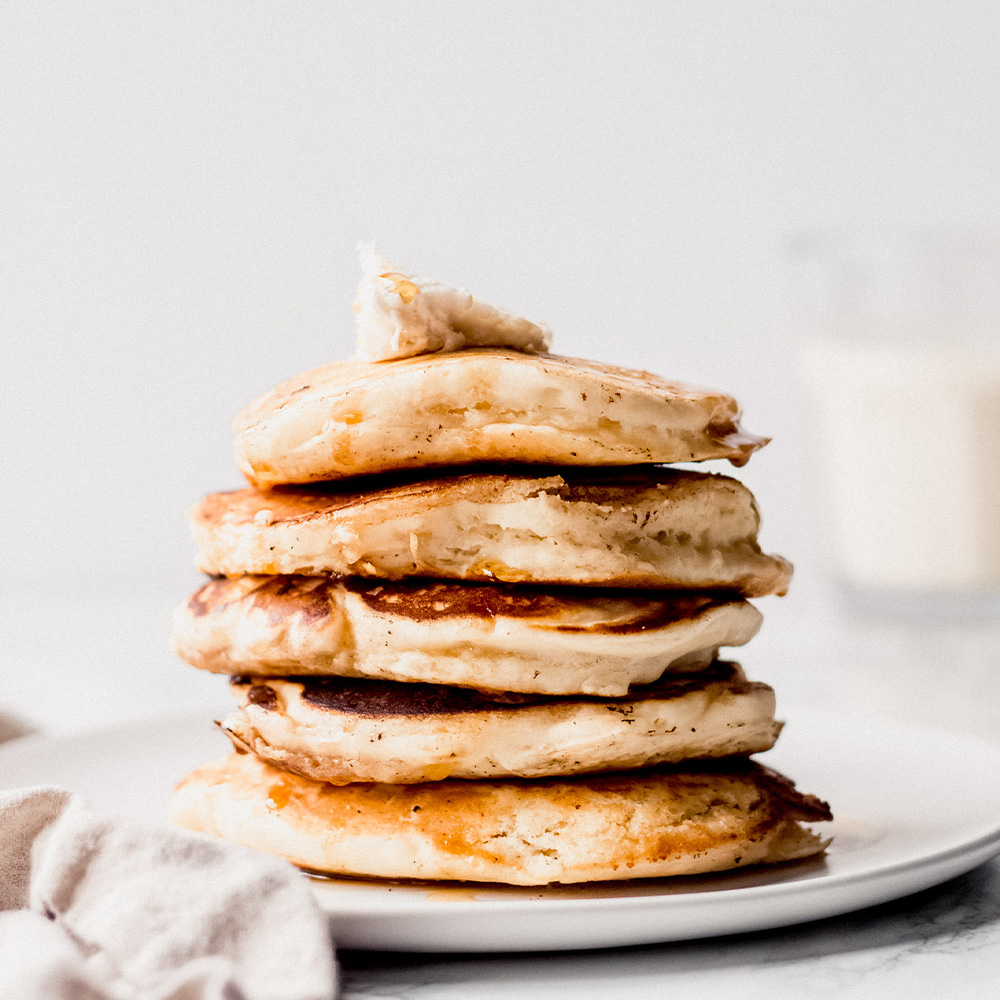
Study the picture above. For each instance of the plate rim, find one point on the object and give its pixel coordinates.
(405, 906)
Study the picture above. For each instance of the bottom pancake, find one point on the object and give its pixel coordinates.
(632, 825)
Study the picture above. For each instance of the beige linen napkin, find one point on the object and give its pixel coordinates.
(94, 906)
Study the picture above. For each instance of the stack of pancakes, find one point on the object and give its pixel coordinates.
(472, 619)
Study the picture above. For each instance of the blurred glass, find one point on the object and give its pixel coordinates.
(900, 336)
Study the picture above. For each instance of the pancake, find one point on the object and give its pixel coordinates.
(646, 527)
(351, 418)
(342, 730)
(644, 824)
(493, 636)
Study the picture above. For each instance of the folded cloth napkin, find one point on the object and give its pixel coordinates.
(94, 906)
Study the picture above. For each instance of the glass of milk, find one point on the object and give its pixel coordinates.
(900, 337)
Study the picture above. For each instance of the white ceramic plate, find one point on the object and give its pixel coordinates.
(913, 808)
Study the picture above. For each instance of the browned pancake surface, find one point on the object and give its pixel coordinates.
(284, 596)
(385, 699)
(483, 484)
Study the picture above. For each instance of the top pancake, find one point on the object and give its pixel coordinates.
(350, 418)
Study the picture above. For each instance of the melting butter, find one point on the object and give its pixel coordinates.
(401, 315)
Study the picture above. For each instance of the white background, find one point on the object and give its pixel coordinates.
(182, 186)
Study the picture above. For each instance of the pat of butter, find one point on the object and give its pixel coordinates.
(400, 315)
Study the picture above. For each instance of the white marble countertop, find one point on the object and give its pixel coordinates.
(103, 659)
